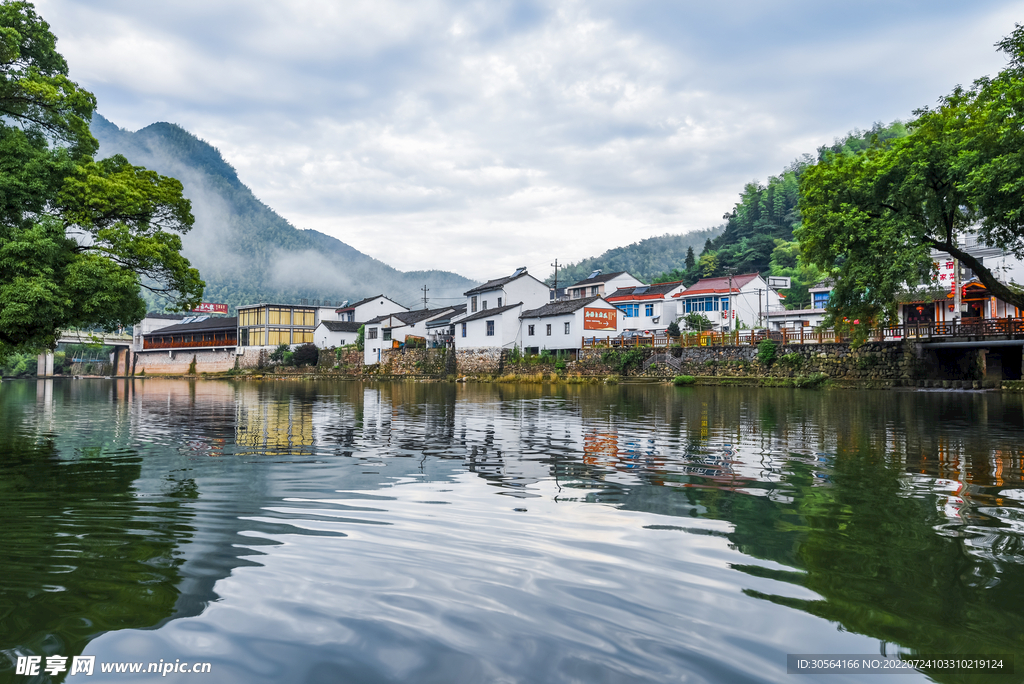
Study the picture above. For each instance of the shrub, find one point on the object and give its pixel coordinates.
(673, 329)
(681, 380)
(793, 360)
(278, 354)
(810, 381)
(766, 352)
(306, 354)
(560, 365)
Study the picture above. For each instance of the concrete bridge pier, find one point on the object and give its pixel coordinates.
(44, 364)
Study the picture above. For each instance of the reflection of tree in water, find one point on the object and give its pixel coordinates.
(886, 559)
(83, 553)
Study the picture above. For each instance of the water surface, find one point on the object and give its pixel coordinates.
(304, 531)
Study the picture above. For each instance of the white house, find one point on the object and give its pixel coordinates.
(335, 333)
(152, 321)
(491, 327)
(647, 307)
(729, 301)
(598, 284)
(369, 308)
(494, 294)
(563, 324)
(382, 332)
(811, 318)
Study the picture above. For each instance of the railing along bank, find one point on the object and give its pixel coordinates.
(981, 328)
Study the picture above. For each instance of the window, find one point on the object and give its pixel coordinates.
(701, 304)
(490, 328)
(463, 329)
(529, 330)
(648, 310)
(631, 310)
(549, 330)
(387, 334)
(578, 292)
(596, 290)
(499, 302)
(567, 327)
(304, 336)
(725, 303)
(276, 337)
(485, 305)
(305, 317)
(472, 307)
(280, 316)
(371, 334)
(820, 300)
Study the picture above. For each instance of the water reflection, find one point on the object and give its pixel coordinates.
(633, 533)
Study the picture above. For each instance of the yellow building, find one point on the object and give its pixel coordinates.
(270, 325)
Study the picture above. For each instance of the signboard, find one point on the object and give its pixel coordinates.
(946, 276)
(779, 282)
(206, 307)
(600, 319)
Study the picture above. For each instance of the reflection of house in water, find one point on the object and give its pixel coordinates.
(274, 428)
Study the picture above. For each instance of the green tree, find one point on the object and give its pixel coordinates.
(871, 218)
(79, 238)
(691, 261)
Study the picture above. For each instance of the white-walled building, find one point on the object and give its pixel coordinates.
(601, 284)
(152, 321)
(647, 307)
(491, 327)
(335, 333)
(368, 309)
(810, 318)
(564, 324)
(382, 332)
(747, 302)
(520, 287)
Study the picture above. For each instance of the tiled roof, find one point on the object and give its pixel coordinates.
(559, 308)
(165, 316)
(361, 302)
(487, 313)
(208, 324)
(716, 285)
(603, 278)
(417, 315)
(495, 284)
(657, 291)
(341, 326)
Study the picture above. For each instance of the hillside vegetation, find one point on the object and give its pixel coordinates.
(245, 251)
(757, 235)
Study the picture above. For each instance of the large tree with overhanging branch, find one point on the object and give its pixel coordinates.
(872, 218)
(79, 238)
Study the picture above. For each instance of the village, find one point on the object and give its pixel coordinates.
(520, 312)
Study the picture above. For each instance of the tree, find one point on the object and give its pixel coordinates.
(306, 355)
(871, 218)
(691, 261)
(79, 238)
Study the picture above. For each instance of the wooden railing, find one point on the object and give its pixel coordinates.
(190, 344)
(992, 327)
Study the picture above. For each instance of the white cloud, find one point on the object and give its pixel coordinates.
(479, 136)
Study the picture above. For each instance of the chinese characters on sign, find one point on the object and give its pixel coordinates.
(207, 307)
(947, 274)
(55, 664)
(600, 319)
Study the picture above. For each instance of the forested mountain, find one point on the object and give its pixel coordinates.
(645, 259)
(245, 251)
(758, 234)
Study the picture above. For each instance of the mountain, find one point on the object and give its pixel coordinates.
(245, 251)
(645, 259)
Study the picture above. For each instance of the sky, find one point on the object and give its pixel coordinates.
(477, 137)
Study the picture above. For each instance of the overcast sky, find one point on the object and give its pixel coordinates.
(481, 136)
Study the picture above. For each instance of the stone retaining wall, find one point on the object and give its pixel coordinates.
(160, 362)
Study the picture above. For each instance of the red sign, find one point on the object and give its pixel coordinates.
(600, 319)
(206, 307)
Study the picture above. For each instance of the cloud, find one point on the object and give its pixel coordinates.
(478, 136)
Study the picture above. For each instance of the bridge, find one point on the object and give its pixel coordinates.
(121, 342)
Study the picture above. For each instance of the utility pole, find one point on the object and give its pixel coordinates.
(730, 270)
(556, 277)
(425, 291)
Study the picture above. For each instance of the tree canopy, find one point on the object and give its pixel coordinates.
(79, 238)
(871, 217)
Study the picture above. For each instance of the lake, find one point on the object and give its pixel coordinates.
(339, 531)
